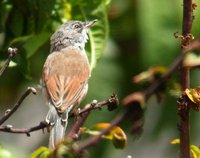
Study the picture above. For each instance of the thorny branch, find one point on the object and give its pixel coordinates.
(11, 53)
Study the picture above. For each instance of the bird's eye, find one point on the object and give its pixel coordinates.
(76, 26)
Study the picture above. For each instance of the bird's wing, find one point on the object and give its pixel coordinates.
(65, 76)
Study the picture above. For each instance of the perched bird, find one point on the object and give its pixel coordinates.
(65, 75)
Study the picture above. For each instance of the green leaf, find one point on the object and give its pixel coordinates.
(20, 40)
(5, 153)
(35, 42)
(42, 13)
(11, 64)
(98, 34)
(42, 152)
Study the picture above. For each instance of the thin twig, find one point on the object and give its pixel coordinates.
(16, 106)
(27, 131)
(12, 52)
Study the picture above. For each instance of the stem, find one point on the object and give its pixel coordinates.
(185, 83)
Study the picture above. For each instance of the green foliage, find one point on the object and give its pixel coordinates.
(4, 153)
(42, 152)
(30, 27)
(99, 32)
(141, 36)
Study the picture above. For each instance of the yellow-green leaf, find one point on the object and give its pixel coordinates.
(193, 148)
(149, 75)
(195, 151)
(175, 141)
(4, 153)
(116, 134)
(42, 152)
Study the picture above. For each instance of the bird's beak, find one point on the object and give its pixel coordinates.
(89, 24)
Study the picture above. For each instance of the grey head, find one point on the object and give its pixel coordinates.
(72, 33)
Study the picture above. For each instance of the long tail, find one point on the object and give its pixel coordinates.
(58, 126)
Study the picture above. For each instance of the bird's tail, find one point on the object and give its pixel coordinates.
(58, 125)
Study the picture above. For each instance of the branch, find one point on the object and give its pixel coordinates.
(27, 131)
(152, 88)
(112, 103)
(9, 112)
(11, 52)
(185, 82)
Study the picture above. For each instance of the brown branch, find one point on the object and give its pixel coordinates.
(195, 44)
(112, 103)
(185, 82)
(12, 52)
(27, 131)
(150, 91)
(9, 112)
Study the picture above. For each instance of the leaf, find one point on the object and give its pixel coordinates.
(35, 42)
(193, 148)
(150, 75)
(5, 8)
(191, 60)
(116, 134)
(62, 11)
(42, 152)
(11, 64)
(99, 32)
(19, 40)
(43, 14)
(195, 151)
(175, 141)
(136, 97)
(4, 153)
(193, 94)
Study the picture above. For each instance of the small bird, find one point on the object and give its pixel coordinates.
(65, 75)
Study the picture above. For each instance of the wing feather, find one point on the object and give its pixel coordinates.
(65, 76)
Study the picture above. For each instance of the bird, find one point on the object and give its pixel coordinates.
(66, 72)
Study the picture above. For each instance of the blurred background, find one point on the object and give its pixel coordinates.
(140, 36)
